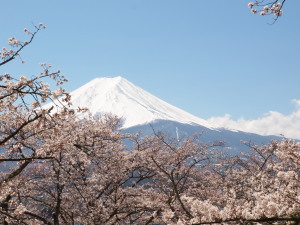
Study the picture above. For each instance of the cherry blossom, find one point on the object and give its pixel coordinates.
(267, 7)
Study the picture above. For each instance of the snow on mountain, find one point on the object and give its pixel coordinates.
(138, 108)
(134, 105)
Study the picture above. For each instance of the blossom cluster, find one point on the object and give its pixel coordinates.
(267, 8)
(8, 54)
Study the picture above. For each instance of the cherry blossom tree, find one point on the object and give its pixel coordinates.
(93, 179)
(21, 117)
(260, 188)
(61, 166)
(79, 182)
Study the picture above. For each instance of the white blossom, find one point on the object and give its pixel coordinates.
(254, 11)
(250, 5)
(57, 93)
(20, 209)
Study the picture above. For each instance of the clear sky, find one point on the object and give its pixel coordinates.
(210, 58)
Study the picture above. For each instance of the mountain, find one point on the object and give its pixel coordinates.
(233, 140)
(136, 106)
(142, 112)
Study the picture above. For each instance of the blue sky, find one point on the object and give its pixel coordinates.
(209, 58)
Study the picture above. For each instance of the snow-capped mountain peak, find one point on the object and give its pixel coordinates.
(135, 106)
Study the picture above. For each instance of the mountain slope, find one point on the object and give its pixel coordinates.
(233, 140)
(133, 104)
